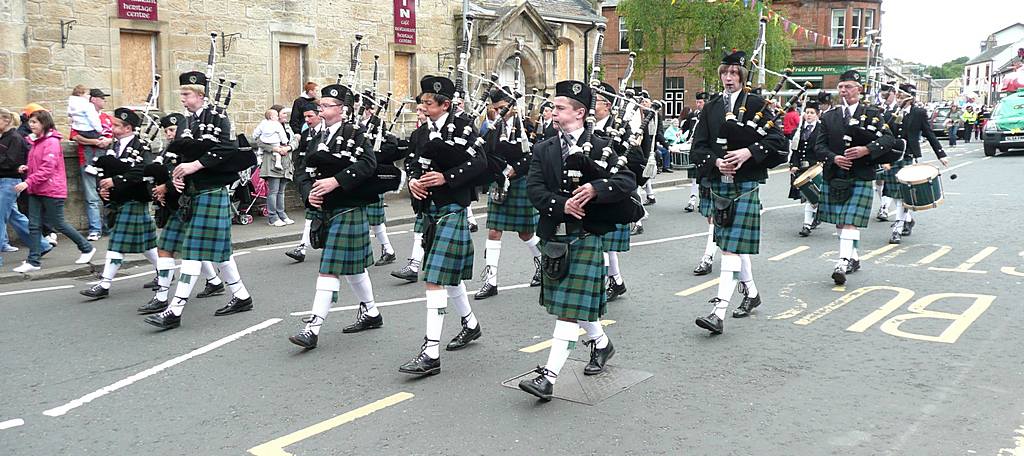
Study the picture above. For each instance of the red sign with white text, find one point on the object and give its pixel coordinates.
(142, 10)
(405, 22)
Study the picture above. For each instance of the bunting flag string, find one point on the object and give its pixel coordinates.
(790, 27)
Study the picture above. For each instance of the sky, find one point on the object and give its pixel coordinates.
(936, 31)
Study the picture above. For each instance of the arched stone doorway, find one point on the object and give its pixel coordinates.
(531, 72)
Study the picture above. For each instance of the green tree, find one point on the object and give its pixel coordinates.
(666, 27)
(949, 70)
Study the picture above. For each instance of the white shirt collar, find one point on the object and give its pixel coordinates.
(123, 142)
(600, 125)
(333, 129)
(575, 134)
(440, 121)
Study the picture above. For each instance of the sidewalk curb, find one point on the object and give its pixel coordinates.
(94, 269)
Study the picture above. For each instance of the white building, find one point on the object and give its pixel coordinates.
(996, 51)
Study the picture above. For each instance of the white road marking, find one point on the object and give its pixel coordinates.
(789, 253)
(58, 411)
(668, 239)
(244, 252)
(957, 166)
(36, 290)
(11, 423)
(277, 247)
(118, 279)
(784, 206)
(396, 303)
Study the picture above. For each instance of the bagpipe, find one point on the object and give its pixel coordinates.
(580, 167)
(509, 145)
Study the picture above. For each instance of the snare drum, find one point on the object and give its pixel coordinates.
(805, 183)
(680, 155)
(922, 186)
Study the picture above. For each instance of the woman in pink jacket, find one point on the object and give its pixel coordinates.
(47, 187)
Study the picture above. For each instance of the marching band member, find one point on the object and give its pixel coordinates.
(411, 271)
(375, 211)
(850, 169)
(511, 211)
(344, 228)
(204, 232)
(735, 177)
(687, 129)
(576, 295)
(802, 159)
(128, 198)
(442, 196)
(913, 122)
(309, 139)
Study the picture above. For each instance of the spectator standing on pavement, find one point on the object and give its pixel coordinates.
(90, 146)
(295, 118)
(983, 114)
(13, 155)
(47, 189)
(790, 122)
(953, 123)
(970, 118)
(276, 167)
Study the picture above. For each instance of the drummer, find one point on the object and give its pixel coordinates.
(914, 124)
(801, 160)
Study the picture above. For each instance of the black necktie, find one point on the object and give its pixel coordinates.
(117, 147)
(566, 145)
(846, 114)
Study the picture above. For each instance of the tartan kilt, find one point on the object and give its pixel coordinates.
(450, 258)
(893, 187)
(417, 226)
(516, 213)
(207, 236)
(133, 230)
(347, 248)
(172, 234)
(375, 211)
(616, 240)
(744, 236)
(704, 203)
(581, 294)
(310, 214)
(855, 211)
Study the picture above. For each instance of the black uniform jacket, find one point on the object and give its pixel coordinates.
(914, 124)
(543, 186)
(829, 144)
(129, 185)
(705, 149)
(352, 176)
(460, 179)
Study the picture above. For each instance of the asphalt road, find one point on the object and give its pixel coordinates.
(918, 355)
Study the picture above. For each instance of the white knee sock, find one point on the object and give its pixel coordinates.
(363, 289)
(325, 289)
(694, 187)
(470, 216)
(877, 187)
(210, 273)
(649, 188)
(901, 214)
(457, 294)
(114, 260)
(491, 254)
(190, 270)
(809, 211)
(731, 266)
(233, 279)
(531, 244)
(908, 215)
(613, 267)
(417, 251)
(595, 332)
(153, 256)
(164, 271)
(886, 202)
(747, 275)
(563, 340)
(381, 232)
(437, 301)
(847, 238)
(305, 235)
(710, 248)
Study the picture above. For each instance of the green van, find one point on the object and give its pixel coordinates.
(1005, 130)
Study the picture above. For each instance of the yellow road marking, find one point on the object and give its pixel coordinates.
(877, 252)
(839, 288)
(788, 254)
(276, 447)
(1009, 270)
(547, 343)
(967, 265)
(934, 256)
(698, 288)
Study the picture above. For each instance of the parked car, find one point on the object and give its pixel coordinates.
(1005, 130)
(938, 121)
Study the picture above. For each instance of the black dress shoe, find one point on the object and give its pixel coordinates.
(852, 266)
(164, 320)
(704, 267)
(667, 170)
(421, 365)
(598, 358)
(908, 228)
(298, 254)
(711, 323)
(473, 227)
(95, 292)
(805, 231)
(234, 306)
(152, 284)
(536, 280)
(211, 290)
(839, 274)
(364, 322)
(153, 306)
(305, 339)
(615, 289)
(406, 273)
(464, 337)
(689, 207)
(650, 201)
(539, 386)
(385, 259)
(746, 306)
(637, 229)
(894, 238)
(486, 291)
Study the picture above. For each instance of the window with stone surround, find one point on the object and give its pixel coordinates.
(868, 21)
(138, 65)
(624, 37)
(838, 29)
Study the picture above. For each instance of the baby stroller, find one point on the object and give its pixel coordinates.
(248, 193)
